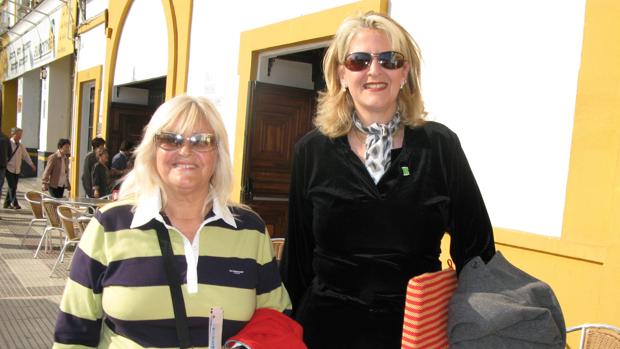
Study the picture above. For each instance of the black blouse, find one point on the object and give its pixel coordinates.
(360, 242)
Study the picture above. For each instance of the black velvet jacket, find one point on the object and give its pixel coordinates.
(352, 242)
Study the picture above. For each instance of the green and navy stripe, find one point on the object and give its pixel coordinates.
(117, 281)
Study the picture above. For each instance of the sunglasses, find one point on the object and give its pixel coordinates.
(358, 61)
(200, 142)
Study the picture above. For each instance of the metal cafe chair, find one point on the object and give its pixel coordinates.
(72, 220)
(35, 198)
(53, 221)
(597, 336)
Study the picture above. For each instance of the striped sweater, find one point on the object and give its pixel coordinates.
(117, 295)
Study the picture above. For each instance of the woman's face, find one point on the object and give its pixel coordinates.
(375, 89)
(185, 170)
(103, 158)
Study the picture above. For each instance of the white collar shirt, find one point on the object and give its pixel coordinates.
(150, 207)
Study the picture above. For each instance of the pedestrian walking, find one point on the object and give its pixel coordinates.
(56, 173)
(14, 167)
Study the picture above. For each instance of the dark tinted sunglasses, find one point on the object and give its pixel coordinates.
(201, 142)
(358, 61)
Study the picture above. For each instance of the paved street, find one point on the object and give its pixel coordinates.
(29, 297)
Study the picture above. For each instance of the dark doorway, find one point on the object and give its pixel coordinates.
(127, 120)
(277, 117)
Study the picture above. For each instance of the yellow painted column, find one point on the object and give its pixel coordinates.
(592, 211)
(9, 105)
(171, 22)
(92, 74)
(183, 10)
(595, 148)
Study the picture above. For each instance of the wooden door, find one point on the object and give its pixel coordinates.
(126, 123)
(278, 116)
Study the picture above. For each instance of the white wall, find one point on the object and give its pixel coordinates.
(91, 52)
(214, 54)
(287, 73)
(122, 94)
(95, 7)
(92, 46)
(143, 48)
(503, 75)
(57, 123)
(29, 85)
(44, 115)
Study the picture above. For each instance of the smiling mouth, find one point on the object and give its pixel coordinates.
(184, 166)
(375, 85)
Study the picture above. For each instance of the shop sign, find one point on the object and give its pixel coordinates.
(35, 48)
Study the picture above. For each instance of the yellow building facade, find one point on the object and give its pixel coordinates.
(582, 265)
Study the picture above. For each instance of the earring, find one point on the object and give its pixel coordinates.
(343, 87)
(402, 84)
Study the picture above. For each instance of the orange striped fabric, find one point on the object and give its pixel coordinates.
(426, 310)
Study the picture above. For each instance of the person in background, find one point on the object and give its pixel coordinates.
(373, 189)
(120, 161)
(56, 173)
(5, 148)
(101, 175)
(17, 154)
(90, 160)
(118, 295)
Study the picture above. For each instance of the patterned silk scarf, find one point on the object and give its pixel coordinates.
(378, 145)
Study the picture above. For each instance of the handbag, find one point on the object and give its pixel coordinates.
(426, 309)
(178, 305)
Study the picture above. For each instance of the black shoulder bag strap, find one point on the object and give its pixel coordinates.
(12, 152)
(180, 316)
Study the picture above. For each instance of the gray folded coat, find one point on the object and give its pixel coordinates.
(497, 305)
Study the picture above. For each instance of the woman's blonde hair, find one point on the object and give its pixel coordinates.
(184, 112)
(335, 104)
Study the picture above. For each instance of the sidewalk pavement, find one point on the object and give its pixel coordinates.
(29, 297)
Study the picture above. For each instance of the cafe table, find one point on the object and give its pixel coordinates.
(91, 203)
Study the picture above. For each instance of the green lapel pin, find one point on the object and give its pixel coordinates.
(405, 170)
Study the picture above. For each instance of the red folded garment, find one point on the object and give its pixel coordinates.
(270, 329)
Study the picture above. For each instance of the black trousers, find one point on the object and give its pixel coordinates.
(56, 192)
(331, 323)
(11, 194)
